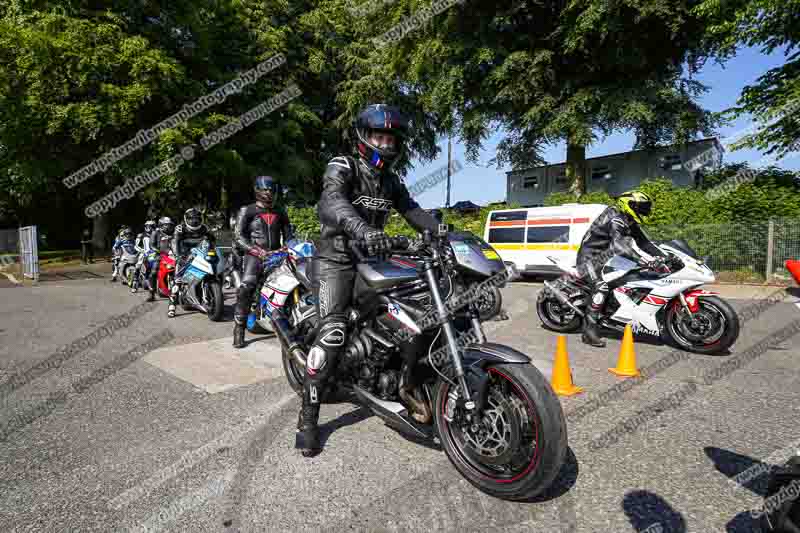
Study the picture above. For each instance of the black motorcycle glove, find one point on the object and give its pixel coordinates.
(377, 242)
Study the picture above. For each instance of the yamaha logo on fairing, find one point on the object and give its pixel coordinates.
(369, 202)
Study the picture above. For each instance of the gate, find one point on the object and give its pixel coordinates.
(29, 252)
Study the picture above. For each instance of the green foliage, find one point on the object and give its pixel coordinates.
(774, 98)
(305, 221)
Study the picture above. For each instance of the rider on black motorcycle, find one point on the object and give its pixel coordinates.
(143, 247)
(259, 228)
(357, 196)
(617, 228)
(125, 236)
(160, 241)
(187, 236)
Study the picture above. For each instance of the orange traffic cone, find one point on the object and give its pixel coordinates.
(562, 375)
(626, 364)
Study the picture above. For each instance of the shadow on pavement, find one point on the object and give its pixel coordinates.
(731, 464)
(649, 512)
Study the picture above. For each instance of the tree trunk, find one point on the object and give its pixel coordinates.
(576, 167)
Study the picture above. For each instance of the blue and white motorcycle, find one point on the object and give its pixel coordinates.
(285, 273)
(202, 282)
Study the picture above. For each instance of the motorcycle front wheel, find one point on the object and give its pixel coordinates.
(712, 329)
(518, 448)
(213, 300)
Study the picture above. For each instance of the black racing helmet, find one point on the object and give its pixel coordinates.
(149, 226)
(193, 219)
(386, 119)
(265, 188)
(166, 225)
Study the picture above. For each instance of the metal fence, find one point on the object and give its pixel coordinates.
(29, 252)
(755, 252)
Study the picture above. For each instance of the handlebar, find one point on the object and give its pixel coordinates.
(395, 243)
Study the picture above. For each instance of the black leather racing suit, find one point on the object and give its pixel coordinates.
(354, 200)
(262, 227)
(159, 242)
(612, 233)
(183, 240)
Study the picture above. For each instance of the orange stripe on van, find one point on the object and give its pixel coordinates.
(580, 220)
(503, 224)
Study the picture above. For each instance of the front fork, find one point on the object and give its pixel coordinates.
(452, 344)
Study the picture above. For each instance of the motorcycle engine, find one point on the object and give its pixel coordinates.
(366, 357)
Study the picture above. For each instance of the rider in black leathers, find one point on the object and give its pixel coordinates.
(187, 236)
(357, 196)
(259, 228)
(160, 241)
(615, 230)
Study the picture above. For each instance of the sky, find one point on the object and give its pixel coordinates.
(484, 184)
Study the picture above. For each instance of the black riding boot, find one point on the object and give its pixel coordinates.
(591, 333)
(307, 440)
(238, 332)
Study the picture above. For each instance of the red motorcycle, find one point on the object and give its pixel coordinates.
(166, 274)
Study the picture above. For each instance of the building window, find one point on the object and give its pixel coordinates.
(549, 234)
(501, 235)
(530, 182)
(671, 162)
(602, 173)
(561, 178)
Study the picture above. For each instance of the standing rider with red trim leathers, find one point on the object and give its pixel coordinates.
(259, 228)
(357, 197)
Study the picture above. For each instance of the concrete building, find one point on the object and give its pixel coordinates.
(617, 173)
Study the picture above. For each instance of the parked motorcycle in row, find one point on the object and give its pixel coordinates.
(202, 281)
(281, 269)
(668, 305)
(126, 263)
(495, 414)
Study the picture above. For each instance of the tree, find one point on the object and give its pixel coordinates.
(547, 72)
(775, 98)
(76, 81)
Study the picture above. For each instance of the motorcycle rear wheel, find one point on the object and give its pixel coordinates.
(556, 316)
(520, 451)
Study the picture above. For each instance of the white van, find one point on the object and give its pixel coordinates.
(525, 237)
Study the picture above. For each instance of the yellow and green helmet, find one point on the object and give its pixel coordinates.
(636, 204)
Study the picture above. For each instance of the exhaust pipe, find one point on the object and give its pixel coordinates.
(563, 299)
(281, 327)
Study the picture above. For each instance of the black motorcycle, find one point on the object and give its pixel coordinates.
(495, 414)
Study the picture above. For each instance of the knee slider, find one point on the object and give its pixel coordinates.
(332, 332)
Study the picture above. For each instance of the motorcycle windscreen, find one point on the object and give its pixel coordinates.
(475, 256)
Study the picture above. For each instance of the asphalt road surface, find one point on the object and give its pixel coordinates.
(197, 436)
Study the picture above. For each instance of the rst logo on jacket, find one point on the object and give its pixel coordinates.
(373, 203)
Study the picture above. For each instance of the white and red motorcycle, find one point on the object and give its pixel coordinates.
(670, 305)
